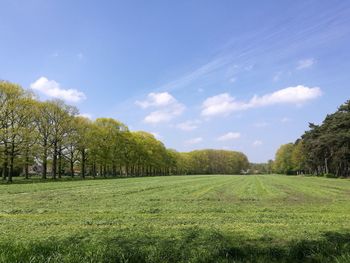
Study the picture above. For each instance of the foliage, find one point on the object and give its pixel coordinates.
(51, 137)
(283, 159)
(261, 168)
(322, 150)
(216, 162)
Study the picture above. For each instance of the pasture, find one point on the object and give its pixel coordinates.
(211, 218)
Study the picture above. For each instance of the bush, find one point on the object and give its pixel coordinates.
(330, 175)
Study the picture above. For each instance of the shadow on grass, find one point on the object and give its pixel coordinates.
(38, 179)
(35, 180)
(193, 246)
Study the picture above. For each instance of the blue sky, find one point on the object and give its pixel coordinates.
(240, 75)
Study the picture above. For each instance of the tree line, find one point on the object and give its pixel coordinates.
(49, 138)
(322, 150)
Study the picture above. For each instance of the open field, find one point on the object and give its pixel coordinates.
(177, 219)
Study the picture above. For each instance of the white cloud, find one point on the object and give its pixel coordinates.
(158, 116)
(167, 107)
(229, 136)
(224, 104)
(221, 104)
(188, 125)
(290, 95)
(305, 63)
(53, 89)
(156, 100)
(257, 143)
(194, 140)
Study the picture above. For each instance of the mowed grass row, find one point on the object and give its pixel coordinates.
(177, 218)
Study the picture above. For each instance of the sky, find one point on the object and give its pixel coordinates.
(236, 75)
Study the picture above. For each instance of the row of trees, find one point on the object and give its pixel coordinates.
(323, 149)
(213, 162)
(51, 139)
(261, 168)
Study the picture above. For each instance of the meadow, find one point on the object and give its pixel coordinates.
(211, 218)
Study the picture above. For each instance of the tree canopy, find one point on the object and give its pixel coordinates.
(322, 150)
(51, 139)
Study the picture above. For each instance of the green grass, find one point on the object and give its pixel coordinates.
(262, 218)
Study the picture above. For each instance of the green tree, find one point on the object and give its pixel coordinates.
(16, 116)
(298, 157)
(283, 159)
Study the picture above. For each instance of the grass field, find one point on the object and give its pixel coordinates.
(177, 219)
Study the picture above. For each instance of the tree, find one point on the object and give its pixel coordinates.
(323, 149)
(82, 128)
(16, 116)
(283, 159)
(214, 162)
(43, 123)
(61, 119)
(298, 157)
(51, 134)
(326, 146)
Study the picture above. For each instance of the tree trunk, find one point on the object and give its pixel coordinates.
(54, 161)
(5, 169)
(26, 163)
(83, 163)
(59, 162)
(94, 169)
(114, 170)
(9, 177)
(104, 171)
(326, 165)
(26, 166)
(44, 171)
(12, 159)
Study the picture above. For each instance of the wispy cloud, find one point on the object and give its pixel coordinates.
(257, 143)
(305, 63)
(53, 89)
(200, 73)
(167, 107)
(194, 140)
(188, 125)
(243, 54)
(224, 104)
(229, 136)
